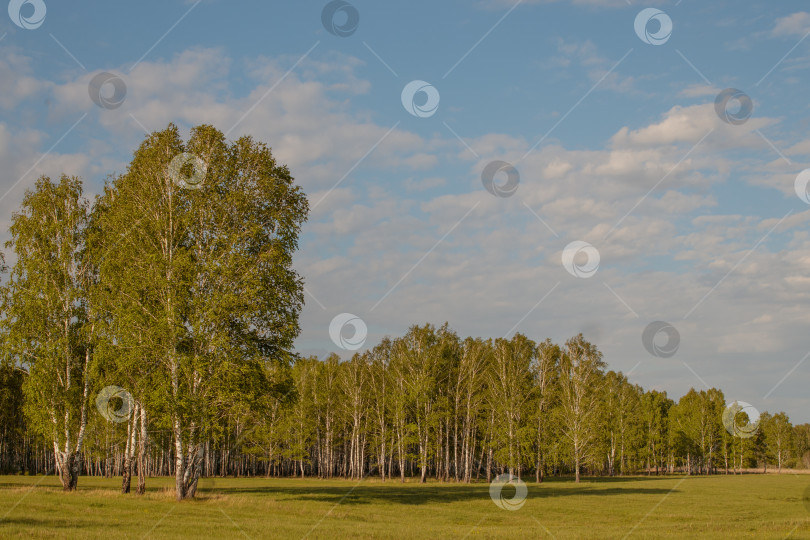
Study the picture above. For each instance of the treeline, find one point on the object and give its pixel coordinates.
(432, 405)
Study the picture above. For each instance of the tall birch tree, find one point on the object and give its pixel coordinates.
(195, 259)
(46, 316)
(581, 372)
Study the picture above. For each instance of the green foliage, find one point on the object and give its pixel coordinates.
(185, 297)
(46, 314)
(778, 434)
(801, 441)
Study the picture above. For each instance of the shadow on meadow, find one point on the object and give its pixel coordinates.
(49, 522)
(433, 493)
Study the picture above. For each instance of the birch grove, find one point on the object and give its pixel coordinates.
(175, 288)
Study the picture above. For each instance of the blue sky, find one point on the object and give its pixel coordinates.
(616, 142)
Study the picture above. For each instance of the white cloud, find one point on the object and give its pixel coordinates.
(687, 125)
(17, 81)
(585, 55)
(796, 24)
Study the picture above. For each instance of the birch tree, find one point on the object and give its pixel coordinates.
(510, 391)
(778, 437)
(580, 378)
(203, 277)
(655, 417)
(545, 373)
(476, 355)
(379, 359)
(46, 316)
(418, 351)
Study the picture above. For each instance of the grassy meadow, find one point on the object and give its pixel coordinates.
(748, 506)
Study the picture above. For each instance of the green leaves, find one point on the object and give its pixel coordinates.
(45, 312)
(185, 297)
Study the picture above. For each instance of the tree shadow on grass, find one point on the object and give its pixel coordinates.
(569, 479)
(415, 494)
(50, 523)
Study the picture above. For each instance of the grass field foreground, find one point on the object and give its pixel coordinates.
(749, 506)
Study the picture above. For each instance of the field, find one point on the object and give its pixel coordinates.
(748, 506)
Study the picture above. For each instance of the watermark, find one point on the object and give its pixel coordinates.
(737, 424)
(654, 16)
(801, 184)
(580, 259)
(429, 102)
(107, 90)
(340, 18)
(651, 338)
(353, 342)
(195, 179)
(34, 14)
(512, 503)
(505, 189)
(729, 115)
(105, 403)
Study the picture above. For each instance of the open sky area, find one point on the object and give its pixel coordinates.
(647, 161)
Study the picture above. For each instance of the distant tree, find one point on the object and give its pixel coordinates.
(354, 388)
(509, 398)
(778, 433)
(580, 377)
(402, 426)
(475, 358)
(327, 400)
(714, 404)
(623, 423)
(801, 438)
(301, 416)
(380, 393)
(655, 409)
(545, 372)
(747, 443)
(419, 352)
(697, 425)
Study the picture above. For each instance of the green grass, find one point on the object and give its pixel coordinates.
(750, 506)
